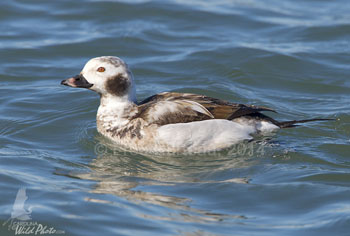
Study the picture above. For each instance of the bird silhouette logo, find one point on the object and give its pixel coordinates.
(19, 211)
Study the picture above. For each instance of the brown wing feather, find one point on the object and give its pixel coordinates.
(162, 112)
(219, 108)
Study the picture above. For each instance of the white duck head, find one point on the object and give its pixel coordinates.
(109, 76)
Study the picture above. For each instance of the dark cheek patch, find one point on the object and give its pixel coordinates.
(117, 85)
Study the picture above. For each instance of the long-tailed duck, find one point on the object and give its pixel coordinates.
(169, 121)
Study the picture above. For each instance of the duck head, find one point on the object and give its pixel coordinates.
(109, 76)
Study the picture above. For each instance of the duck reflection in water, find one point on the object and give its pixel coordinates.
(129, 175)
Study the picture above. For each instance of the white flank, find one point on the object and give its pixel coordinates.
(204, 136)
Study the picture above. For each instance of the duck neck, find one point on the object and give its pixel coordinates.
(115, 110)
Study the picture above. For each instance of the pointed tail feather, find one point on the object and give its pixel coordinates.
(293, 123)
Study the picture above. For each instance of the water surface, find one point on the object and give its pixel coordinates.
(292, 56)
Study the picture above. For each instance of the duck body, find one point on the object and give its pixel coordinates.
(167, 122)
(176, 122)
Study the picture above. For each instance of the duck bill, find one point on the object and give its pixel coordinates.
(77, 81)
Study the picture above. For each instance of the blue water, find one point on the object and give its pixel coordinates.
(292, 56)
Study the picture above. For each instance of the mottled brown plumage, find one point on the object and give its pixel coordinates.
(172, 112)
(219, 109)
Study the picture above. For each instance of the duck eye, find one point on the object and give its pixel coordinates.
(101, 69)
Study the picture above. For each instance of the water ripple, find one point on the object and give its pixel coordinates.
(290, 56)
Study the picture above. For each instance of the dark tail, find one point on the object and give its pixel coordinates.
(292, 123)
